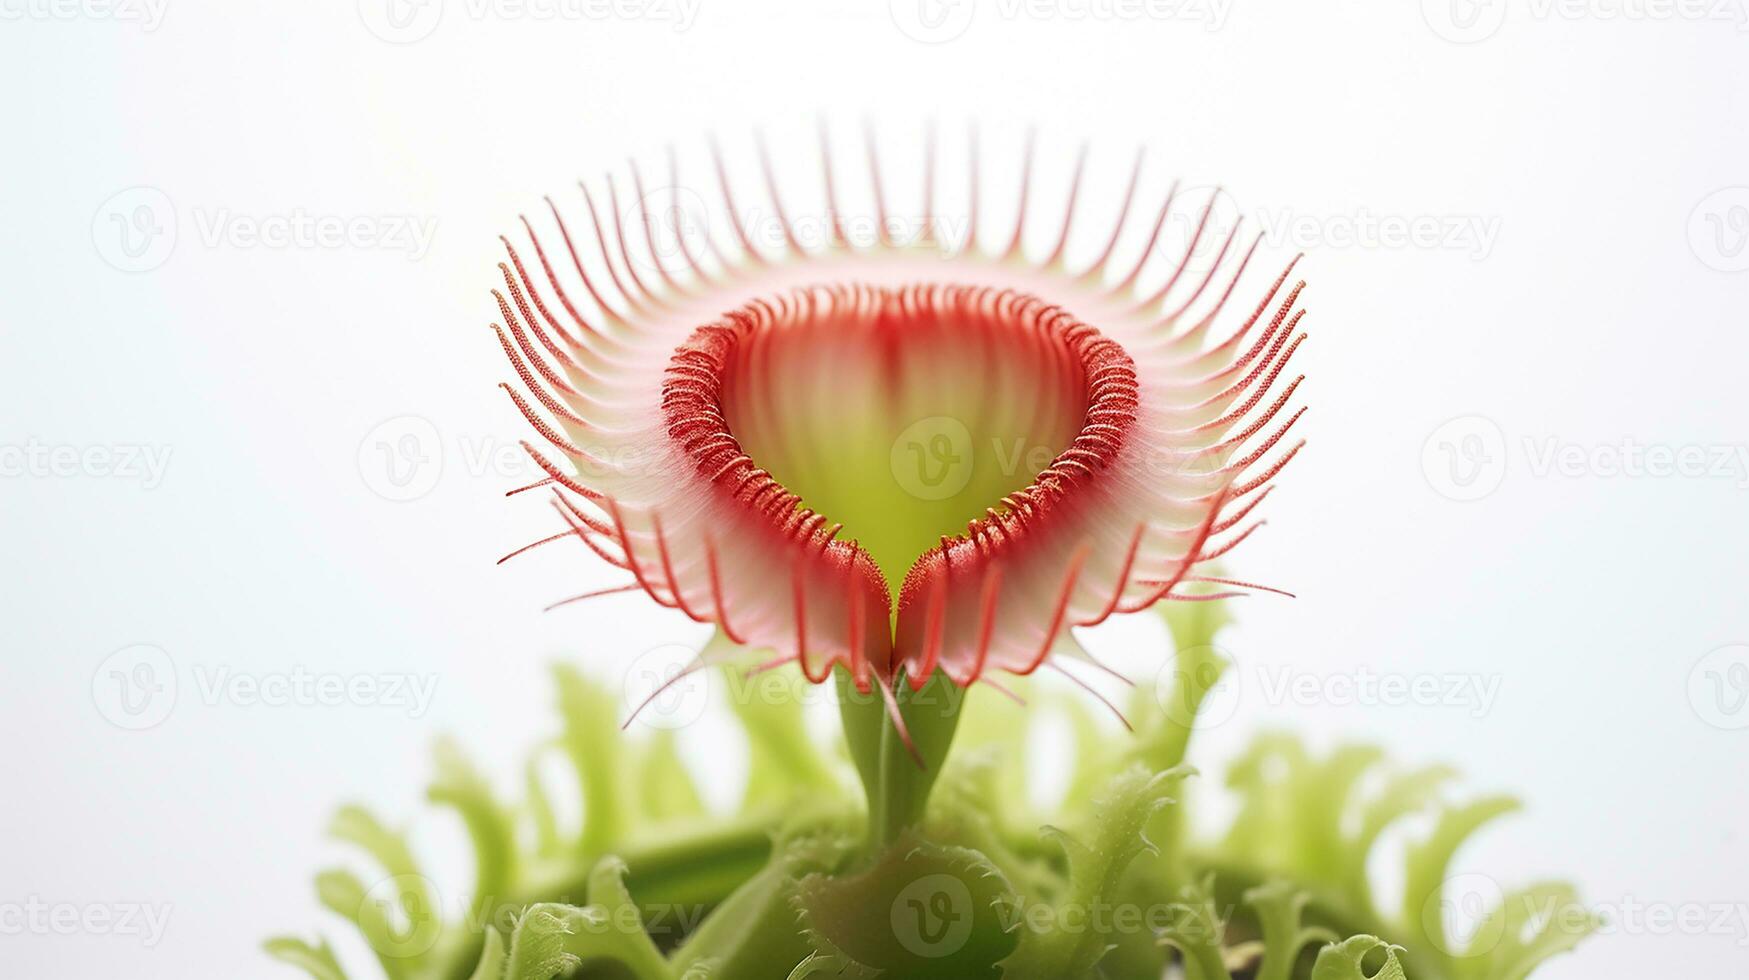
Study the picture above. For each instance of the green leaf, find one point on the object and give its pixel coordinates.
(1074, 939)
(1094, 756)
(399, 945)
(539, 807)
(460, 786)
(1530, 926)
(665, 787)
(554, 940)
(1404, 794)
(1428, 863)
(784, 760)
(615, 932)
(1169, 714)
(317, 961)
(415, 896)
(492, 958)
(921, 911)
(593, 741)
(1346, 960)
(537, 944)
(1280, 906)
(969, 808)
(1198, 931)
(995, 728)
(1270, 780)
(754, 932)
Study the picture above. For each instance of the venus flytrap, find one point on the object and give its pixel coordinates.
(802, 472)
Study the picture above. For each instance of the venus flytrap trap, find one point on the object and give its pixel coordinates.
(825, 473)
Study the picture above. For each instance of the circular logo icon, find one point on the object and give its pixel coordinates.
(932, 458)
(1464, 21)
(412, 921)
(932, 21)
(663, 688)
(676, 228)
(1718, 230)
(1718, 688)
(401, 459)
(401, 21)
(1462, 917)
(1465, 459)
(1211, 669)
(1180, 240)
(135, 687)
(135, 230)
(932, 916)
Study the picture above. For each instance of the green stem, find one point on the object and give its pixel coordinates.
(682, 869)
(898, 778)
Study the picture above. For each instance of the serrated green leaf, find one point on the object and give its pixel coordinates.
(537, 944)
(921, 911)
(967, 809)
(754, 932)
(615, 931)
(1073, 942)
(1346, 960)
(1198, 931)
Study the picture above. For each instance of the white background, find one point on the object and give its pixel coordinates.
(1601, 311)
